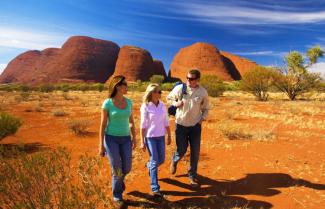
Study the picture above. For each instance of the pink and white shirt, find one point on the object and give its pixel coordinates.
(154, 119)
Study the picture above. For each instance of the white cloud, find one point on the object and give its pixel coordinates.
(227, 13)
(2, 67)
(29, 39)
(318, 68)
(261, 53)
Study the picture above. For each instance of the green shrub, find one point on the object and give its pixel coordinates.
(8, 125)
(46, 88)
(167, 86)
(213, 85)
(47, 179)
(295, 79)
(321, 86)
(233, 86)
(138, 86)
(258, 82)
(157, 79)
(294, 85)
(63, 87)
(99, 87)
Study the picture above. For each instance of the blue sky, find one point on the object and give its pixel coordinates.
(263, 31)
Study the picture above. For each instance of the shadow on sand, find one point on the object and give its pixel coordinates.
(12, 150)
(222, 193)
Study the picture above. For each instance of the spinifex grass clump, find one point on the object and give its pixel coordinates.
(8, 125)
(47, 179)
(79, 126)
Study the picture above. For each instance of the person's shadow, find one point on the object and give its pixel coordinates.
(222, 193)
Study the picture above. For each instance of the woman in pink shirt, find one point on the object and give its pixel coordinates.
(154, 125)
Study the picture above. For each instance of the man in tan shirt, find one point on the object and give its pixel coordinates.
(192, 110)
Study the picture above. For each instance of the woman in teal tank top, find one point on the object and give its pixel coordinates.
(115, 139)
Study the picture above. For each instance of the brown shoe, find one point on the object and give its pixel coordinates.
(172, 168)
(157, 194)
(194, 182)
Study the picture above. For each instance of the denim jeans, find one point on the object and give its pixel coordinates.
(119, 150)
(184, 136)
(156, 150)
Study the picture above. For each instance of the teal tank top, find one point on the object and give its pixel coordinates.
(118, 119)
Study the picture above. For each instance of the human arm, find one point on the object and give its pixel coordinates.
(103, 124)
(133, 134)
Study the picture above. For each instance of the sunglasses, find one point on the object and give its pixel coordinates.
(158, 92)
(191, 79)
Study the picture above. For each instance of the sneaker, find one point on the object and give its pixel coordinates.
(119, 204)
(194, 182)
(157, 194)
(172, 168)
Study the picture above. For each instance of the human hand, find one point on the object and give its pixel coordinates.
(133, 142)
(143, 146)
(102, 151)
(169, 139)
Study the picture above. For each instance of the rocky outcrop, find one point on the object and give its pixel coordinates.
(238, 64)
(80, 58)
(158, 68)
(202, 56)
(136, 64)
(210, 61)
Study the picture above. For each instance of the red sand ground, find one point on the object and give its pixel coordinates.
(285, 171)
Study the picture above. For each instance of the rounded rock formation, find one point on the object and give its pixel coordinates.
(202, 56)
(80, 58)
(135, 64)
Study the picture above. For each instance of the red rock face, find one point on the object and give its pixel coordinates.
(202, 56)
(136, 64)
(80, 58)
(158, 68)
(208, 59)
(240, 64)
(25, 62)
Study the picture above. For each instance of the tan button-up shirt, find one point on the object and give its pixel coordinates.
(195, 108)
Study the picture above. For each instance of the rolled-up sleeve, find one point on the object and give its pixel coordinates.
(144, 117)
(173, 95)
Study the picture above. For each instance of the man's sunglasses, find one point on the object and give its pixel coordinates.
(191, 79)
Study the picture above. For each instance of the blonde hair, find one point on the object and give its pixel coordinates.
(148, 94)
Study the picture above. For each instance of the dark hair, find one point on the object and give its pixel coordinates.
(112, 88)
(195, 72)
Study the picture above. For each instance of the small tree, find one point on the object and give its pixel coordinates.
(157, 79)
(213, 85)
(295, 79)
(258, 82)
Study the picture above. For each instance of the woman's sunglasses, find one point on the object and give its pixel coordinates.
(158, 92)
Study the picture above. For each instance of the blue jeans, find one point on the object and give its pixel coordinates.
(184, 136)
(156, 150)
(119, 150)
